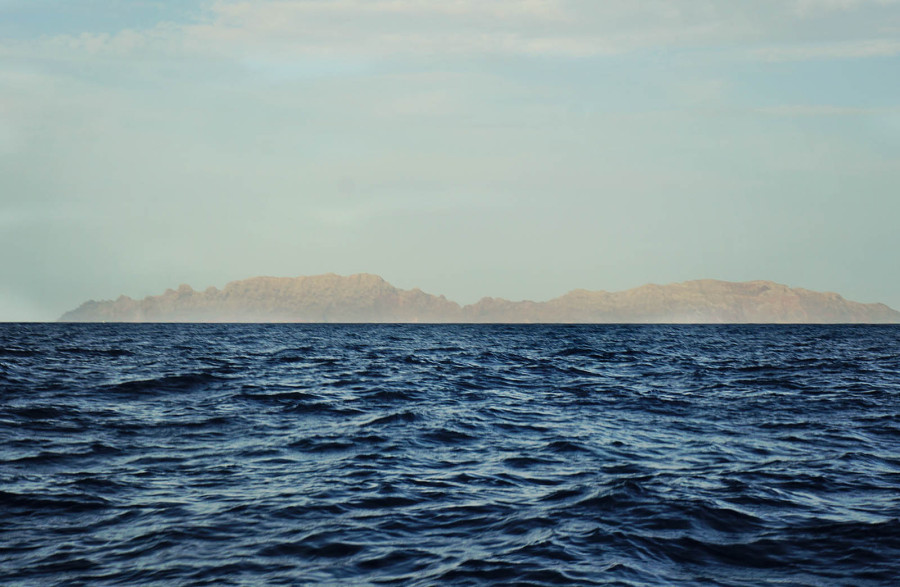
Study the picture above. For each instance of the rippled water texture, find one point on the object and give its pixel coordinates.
(286, 454)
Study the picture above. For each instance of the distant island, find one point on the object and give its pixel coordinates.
(369, 298)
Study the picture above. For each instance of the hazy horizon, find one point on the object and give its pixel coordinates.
(516, 149)
(474, 301)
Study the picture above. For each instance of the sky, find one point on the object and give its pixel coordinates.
(508, 148)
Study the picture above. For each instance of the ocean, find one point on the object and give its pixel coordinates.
(286, 454)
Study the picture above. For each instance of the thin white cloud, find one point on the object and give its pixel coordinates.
(574, 28)
(842, 50)
(501, 9)
(395, 27)
(290, 29)
(824, 110)
(814, 7)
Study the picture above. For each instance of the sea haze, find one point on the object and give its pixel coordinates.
(219, 454)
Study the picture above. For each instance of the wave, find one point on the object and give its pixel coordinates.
(543, 455)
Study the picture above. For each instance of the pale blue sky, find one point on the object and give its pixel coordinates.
(514, 148)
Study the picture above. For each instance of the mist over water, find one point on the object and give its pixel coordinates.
(461, 454)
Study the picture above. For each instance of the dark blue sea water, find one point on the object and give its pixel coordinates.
(477, 454)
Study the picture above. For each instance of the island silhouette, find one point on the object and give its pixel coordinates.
(369, 298)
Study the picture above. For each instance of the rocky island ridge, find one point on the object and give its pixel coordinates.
(363, 298)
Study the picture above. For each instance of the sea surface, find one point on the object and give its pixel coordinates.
(449, 454)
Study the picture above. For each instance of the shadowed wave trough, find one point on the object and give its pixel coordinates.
(462, 454)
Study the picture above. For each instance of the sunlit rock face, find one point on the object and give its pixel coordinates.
(369, 298)
(717, 302)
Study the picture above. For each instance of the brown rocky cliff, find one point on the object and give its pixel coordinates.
(320, 298)
(715, 301)
(369, 298)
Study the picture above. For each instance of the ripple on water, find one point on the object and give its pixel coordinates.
(411, 454)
